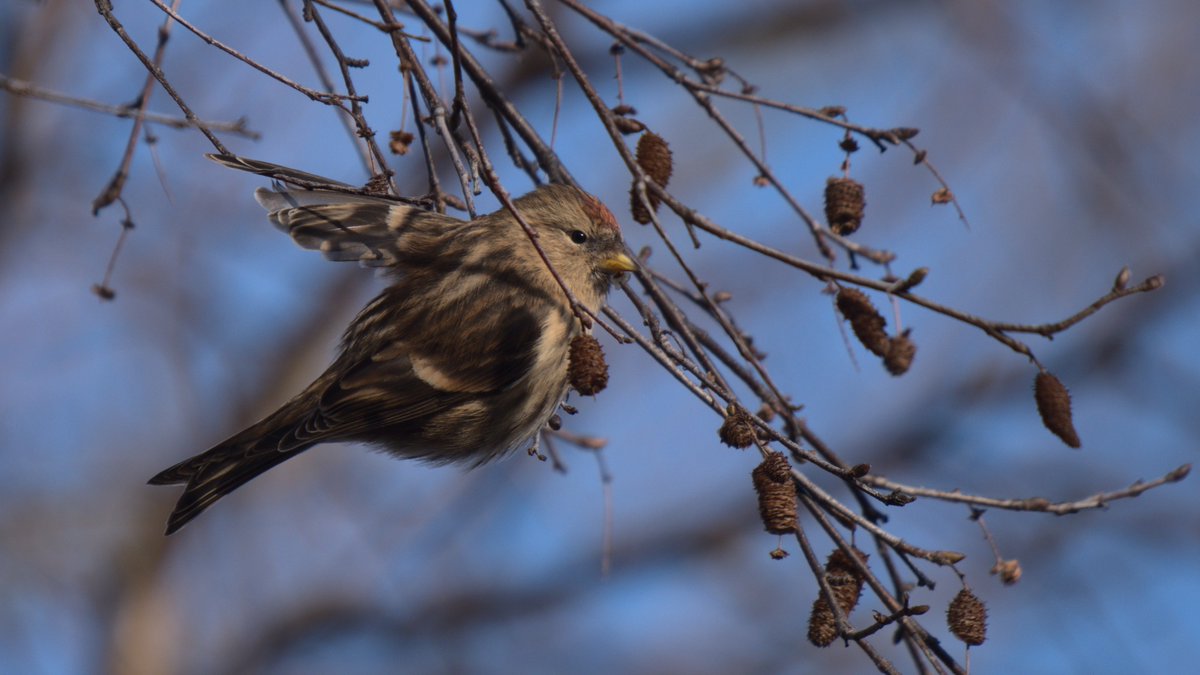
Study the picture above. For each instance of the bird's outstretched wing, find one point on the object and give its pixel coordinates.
(343, 226)
(277, 172)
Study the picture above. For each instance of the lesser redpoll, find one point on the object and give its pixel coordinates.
(462, 359)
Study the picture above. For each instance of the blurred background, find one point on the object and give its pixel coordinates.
(1067, 130)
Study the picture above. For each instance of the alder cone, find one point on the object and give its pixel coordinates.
(900, 352)
(866, 321)
(654, 157)
(1054, 405)
(737, 431)
(777, 499)
(844, 205)
(967, 618)
(846, 582)
(587, 370)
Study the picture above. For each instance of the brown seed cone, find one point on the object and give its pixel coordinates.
(841, 563)
(900, 352)
(844, 205)
(586, 369)
(378, 185)
(822, 625)
(864, 319)
(737, 431)
(1009, 571)
(967, 618)
(1054, 405)
(399, 142)
(777, 499)
(654, 156)
(637, 209)
(846, 582)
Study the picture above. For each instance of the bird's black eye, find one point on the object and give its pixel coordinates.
(579, 236)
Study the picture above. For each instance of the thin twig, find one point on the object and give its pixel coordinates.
(28, 90)
(310, 50)
(116, 184)
(1038, 504)
(433, 101)
(322, 97)
(377, 164)
(105, 9)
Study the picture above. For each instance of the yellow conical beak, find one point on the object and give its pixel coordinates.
(617, 264)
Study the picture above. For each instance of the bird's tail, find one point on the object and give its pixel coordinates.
(217, 472)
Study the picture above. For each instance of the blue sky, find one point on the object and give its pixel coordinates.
(1066, 131)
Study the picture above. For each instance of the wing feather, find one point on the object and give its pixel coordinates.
(341, 225)
(399, 388)
(349, 228)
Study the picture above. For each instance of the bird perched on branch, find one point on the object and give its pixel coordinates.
(462, 359)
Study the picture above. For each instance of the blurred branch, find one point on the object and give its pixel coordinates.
(318, 96)
(106, 10)
(1038, 504)
(112, 192)
(459, 606)
(22, 88)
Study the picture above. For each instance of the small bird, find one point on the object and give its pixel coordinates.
(463, 358)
